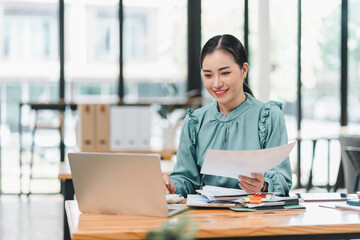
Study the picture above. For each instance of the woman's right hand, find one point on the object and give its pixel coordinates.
(169, 188)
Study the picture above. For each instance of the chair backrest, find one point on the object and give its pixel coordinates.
(354, 156)
(349, 170)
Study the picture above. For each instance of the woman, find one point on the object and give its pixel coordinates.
(234, 121)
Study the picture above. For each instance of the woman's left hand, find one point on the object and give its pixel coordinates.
(252, 184)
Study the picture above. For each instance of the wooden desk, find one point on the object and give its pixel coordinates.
(68, 192)
(314, 223)
(164, 154)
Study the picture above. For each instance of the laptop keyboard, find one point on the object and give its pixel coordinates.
(170, 210)
(176, 208)
(174, 198)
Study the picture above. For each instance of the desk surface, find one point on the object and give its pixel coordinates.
(217, 223)
(65, 172)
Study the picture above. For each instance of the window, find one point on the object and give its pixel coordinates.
(218, 18)
(354, 66)
(320, 67)
(320, 76)
(135, 38)
(28, 41)
(30, 32)
(155, 49)
(283, 59)
(91, 51)
(107, 42)
(29, 59)
(253, 53)
(273, 76)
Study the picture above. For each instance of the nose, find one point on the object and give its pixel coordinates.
(217, 82)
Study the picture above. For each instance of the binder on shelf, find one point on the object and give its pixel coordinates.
(143, 122)
(131, 127)
(102, 127)
(86, 127)
(117, 133)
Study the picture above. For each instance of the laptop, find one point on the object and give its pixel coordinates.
(120, 183)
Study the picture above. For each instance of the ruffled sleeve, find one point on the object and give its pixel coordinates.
(192, 125)
(265, 122)
(272, 133)
(185, 175)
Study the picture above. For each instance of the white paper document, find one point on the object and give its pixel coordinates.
(216, 191)
(195, 200)
(231, 164)
(221, 193)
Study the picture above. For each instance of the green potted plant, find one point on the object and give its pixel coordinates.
(183, 228)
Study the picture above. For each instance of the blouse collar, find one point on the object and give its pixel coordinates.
(234, 113)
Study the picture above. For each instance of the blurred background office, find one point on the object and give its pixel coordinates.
(303, 53)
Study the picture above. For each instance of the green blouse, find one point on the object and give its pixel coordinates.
(252, 125)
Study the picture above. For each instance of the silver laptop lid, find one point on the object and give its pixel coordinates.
(118, 183)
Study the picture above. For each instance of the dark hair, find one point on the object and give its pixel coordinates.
(230, 44)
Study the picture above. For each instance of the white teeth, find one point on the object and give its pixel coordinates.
(218, 92)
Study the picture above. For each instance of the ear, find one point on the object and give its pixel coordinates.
(245, 68)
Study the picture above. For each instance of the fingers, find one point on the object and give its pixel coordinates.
(167, 182)
(172, 189)
(169, 188)
(252, 184)
(258, 176)
(246, 188)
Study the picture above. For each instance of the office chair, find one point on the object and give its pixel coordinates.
(354, 157)
(349, 172)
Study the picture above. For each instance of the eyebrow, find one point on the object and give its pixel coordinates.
(222, 68)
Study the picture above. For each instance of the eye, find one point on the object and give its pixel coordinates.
(208, 75)
(225, 73)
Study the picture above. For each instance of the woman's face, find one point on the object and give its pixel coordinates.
(223, 79)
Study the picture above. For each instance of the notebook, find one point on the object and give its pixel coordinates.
(120, 183)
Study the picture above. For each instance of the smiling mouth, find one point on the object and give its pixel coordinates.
(220, 93)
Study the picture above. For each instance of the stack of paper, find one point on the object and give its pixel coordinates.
(214, 193)
(239, 200)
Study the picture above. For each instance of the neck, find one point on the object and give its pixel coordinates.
(226, 109)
